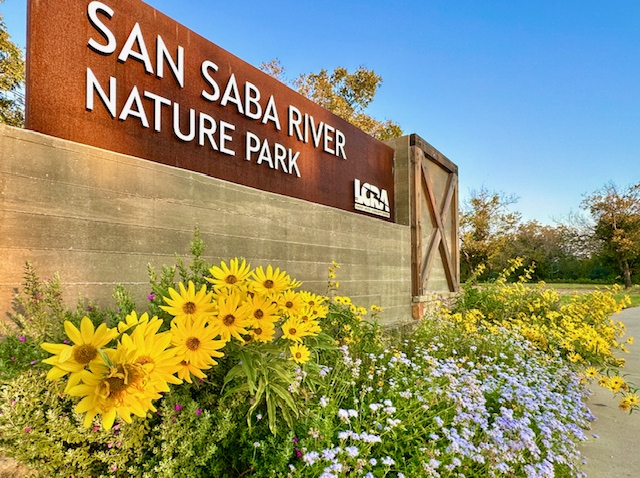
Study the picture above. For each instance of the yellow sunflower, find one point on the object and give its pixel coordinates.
(591, 372)
(624, 405)
(186, 370)
(233, 319)
(72, 359)
(269, 282)
(633, 399)
(189, 303)
(313, 327)
(154, 353)
(312, 299)
(294, 329)
(307, 313)
(132, 320)
(309, 318)
(232, 276)
(290, 302)
(195, 344)
(263, 333)
(264, 311)
(616, 383)
(299, 353)
(114, 389)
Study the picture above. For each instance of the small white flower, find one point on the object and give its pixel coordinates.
(352, 451)
(311, 457)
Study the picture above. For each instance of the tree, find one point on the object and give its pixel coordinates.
(555, 251)
(486, 225)
(12, 75)
(616, 214)
(536, 244)
(345, 94)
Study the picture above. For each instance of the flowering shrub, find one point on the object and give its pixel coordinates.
(233, 372)
(445, 403)
(119, 372)
(582, 330)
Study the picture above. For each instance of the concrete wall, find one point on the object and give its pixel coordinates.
(98, 218)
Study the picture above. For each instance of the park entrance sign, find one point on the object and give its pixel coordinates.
(121, 76)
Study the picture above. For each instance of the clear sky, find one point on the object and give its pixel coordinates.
(539, 99)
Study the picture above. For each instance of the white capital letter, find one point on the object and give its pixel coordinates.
(93, 85)
(204, 69)
(127, 50)
(92, 11)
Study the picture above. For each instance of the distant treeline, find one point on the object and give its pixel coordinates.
(600, 246)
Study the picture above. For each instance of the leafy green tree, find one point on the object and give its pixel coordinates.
(486, 227)
(345, 94)
(12, 76)
(536, 244)
(559, 252)
(616, 214)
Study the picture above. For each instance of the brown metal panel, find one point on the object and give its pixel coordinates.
(60, 61)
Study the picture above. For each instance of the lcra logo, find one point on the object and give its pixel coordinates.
(371, 199)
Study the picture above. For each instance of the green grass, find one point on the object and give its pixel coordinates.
(566, 290)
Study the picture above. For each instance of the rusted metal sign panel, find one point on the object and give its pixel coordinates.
(122, 76)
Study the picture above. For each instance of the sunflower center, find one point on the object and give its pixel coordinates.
(192, 343)
(231, 279)
(258, 314)
(145, 359)
(116, 385)
(228, 320)
(311, 303)
(268, 284)
(121, 379)
(257, 331)
(189, 308)
(292, 331)
(298, 355)
(289, 304)
(84, 353)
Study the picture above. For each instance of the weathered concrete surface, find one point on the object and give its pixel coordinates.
(615, 451)
(99, 218)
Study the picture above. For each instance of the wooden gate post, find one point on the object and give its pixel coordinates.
(426, 187)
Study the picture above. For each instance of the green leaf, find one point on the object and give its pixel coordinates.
(285, 396)
(271, 412)
(243, 387)
(262, 386)
(249, 368)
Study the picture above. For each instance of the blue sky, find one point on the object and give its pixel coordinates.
(539, 99)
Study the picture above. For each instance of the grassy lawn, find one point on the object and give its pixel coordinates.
(566, 290)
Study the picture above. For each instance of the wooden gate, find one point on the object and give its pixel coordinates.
(435, 251)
